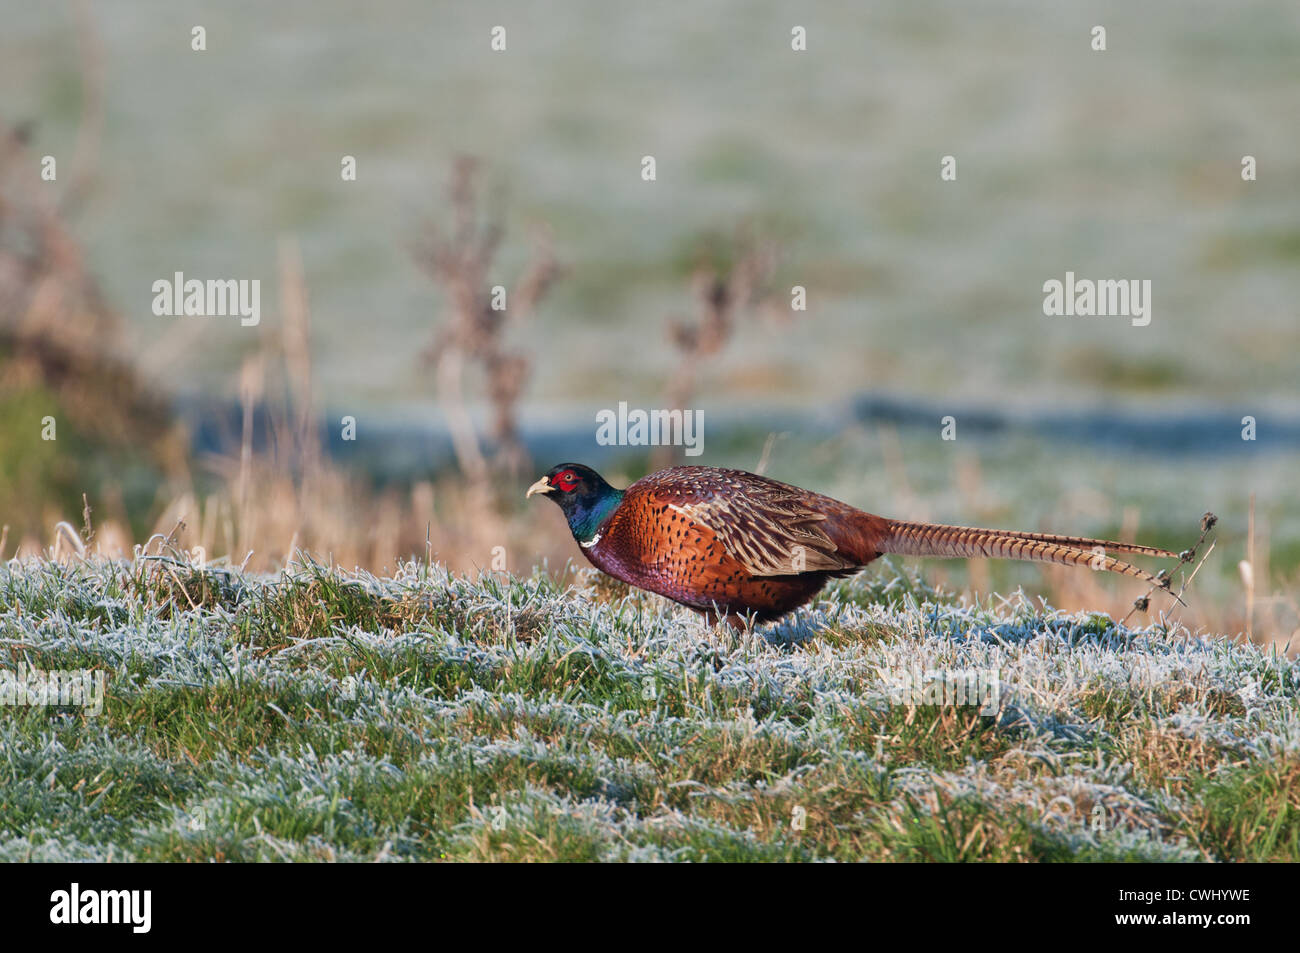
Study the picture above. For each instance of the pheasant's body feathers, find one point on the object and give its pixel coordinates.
(731, 543)
(769, 527)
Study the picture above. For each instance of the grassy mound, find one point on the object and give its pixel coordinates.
(316, 715)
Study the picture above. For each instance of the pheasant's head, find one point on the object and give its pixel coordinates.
(586, 499)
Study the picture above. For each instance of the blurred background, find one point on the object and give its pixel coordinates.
(774, 168)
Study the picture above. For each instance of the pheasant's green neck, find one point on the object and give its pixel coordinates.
(585, 519)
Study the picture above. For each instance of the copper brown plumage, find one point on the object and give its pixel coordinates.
(733, 544)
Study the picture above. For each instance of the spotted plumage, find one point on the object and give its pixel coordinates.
(733, 544)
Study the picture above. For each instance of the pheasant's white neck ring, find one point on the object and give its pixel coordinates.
(591, 542)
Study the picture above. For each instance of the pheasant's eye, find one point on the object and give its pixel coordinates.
(566, 481)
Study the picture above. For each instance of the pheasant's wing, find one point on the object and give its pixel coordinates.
(767, 527)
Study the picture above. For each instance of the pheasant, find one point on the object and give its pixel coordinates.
(732, 544)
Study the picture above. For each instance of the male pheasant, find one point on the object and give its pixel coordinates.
(732, 544)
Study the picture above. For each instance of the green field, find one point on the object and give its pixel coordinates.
(320, 716)
(1122, 164)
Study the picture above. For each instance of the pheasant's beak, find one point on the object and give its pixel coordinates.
(541, 486)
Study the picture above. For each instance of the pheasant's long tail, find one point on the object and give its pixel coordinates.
(932, 539)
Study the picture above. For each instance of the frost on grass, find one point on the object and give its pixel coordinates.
(319, 715)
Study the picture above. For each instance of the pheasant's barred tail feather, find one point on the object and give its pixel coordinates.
(931, 539)
(1082, 542)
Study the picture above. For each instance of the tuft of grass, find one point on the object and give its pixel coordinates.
(1250, 813)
